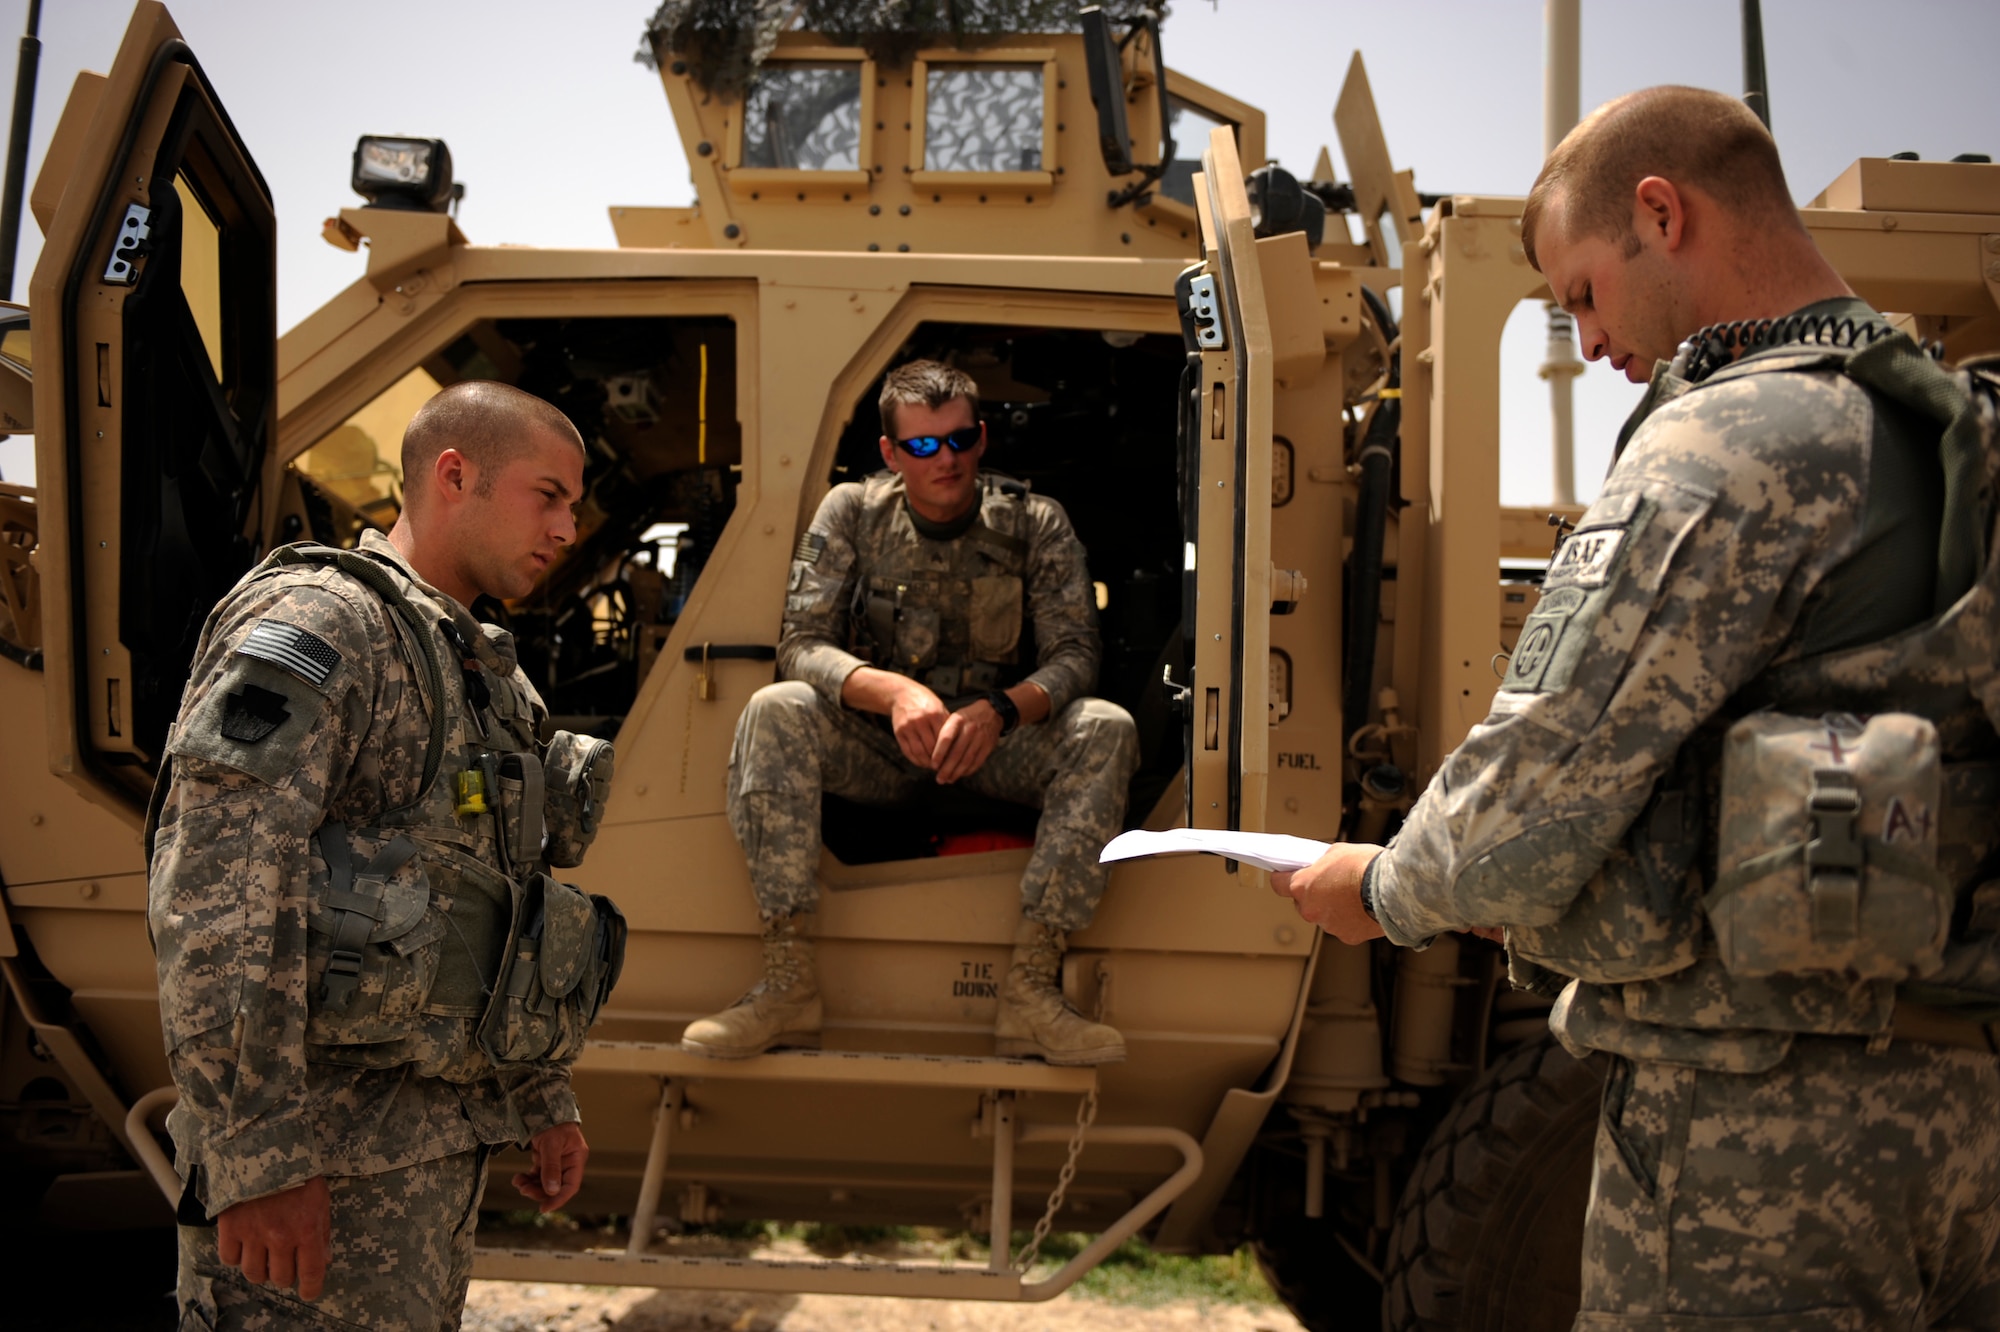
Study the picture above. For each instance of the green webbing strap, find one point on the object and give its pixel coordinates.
(373, 574)
(351, 926)
(1897, 368)
(1878, 855)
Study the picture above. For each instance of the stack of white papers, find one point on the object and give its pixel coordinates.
(1266, 851)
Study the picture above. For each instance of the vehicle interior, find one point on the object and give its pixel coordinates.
(1086, 417)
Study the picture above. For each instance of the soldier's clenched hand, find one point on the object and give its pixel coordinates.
(560, 1153)
(1328, 892)
(917, 716)
(282, 1239)
(966, 741)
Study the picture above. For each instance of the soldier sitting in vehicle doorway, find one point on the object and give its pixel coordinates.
(940, 626)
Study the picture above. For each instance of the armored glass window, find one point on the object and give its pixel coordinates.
(804, 117)
(1191, 128)
(201, 270)
(983, 118)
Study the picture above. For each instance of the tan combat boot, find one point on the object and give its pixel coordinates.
(1035, 1021)
(782, 1008)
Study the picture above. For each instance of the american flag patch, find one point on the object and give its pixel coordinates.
(811, 546)
(299, 651)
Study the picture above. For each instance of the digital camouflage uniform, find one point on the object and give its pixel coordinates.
(305, 715)
(1769, 537)
(963, 611)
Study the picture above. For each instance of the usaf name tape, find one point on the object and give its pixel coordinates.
(300, 651)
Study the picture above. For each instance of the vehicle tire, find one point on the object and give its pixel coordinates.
(1489, 1232)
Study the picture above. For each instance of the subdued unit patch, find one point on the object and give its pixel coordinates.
(251, 713)
(300, 651)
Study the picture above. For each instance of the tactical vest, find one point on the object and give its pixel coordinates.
(955, 626)
(1833, 839)
(435, 937)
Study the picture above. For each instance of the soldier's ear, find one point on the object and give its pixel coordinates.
(889, 454)
(453, 474)
(1660, 211)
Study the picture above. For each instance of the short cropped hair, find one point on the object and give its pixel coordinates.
(1690, 136)
(486, 421)
(930, 383)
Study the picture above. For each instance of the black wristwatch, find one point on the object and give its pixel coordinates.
(1368, 890)
(1010, 716)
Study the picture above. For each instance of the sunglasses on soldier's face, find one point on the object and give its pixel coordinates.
(926, 446)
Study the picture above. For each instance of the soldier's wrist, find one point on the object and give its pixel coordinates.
(1368, 890)
(1004, 708)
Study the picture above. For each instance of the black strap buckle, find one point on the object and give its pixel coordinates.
(1834, 856)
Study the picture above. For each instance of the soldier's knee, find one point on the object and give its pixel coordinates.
(787, 704)
(1103, 727)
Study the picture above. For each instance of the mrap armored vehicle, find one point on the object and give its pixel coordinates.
(1285, 473)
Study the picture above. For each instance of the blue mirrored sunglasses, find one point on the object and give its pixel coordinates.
(926, 446)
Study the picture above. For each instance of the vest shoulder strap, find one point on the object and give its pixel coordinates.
(384, 584)
(1960, 403)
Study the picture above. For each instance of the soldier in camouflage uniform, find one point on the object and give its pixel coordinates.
(940, 626)
(1776, 917)
(319, 997)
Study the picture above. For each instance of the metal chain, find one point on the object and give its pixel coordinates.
(1086, 1115)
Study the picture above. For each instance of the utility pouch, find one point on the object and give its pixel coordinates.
(1826, 856)
(372, 939)
(917, 630)
(564, 952)
(523, 795)
(879, 614)
(579, 780)
(996, 618)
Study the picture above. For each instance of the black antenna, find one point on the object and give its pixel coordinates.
(1756, 87)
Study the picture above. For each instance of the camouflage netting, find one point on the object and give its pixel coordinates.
(726, 40)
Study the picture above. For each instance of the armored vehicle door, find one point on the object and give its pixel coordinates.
(155, 397)
(1226, 447)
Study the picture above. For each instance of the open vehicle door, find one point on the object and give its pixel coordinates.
(1226, 503)
(155, 398)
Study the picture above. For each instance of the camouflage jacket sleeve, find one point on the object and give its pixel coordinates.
(270, 727)
(1681, 583)
(541, 1095)
(818, 597)
(1062, 604)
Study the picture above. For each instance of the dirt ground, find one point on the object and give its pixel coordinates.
(506, 1306)
(124, 1283)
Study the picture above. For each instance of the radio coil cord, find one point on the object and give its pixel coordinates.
(1711, 348)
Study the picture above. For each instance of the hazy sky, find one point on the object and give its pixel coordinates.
(550, 122)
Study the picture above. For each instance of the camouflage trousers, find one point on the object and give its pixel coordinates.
(1842, 1190)
(402, 1255)
(790, 747)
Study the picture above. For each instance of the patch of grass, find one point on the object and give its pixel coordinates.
(1135, 1274)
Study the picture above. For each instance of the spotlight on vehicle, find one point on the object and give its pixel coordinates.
(395, 172)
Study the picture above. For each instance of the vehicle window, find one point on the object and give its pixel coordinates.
(359, 465)
(983, 118)
(17, 346)
(804, 117)
(201, 270)
(1191, 128)
(655, 400)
